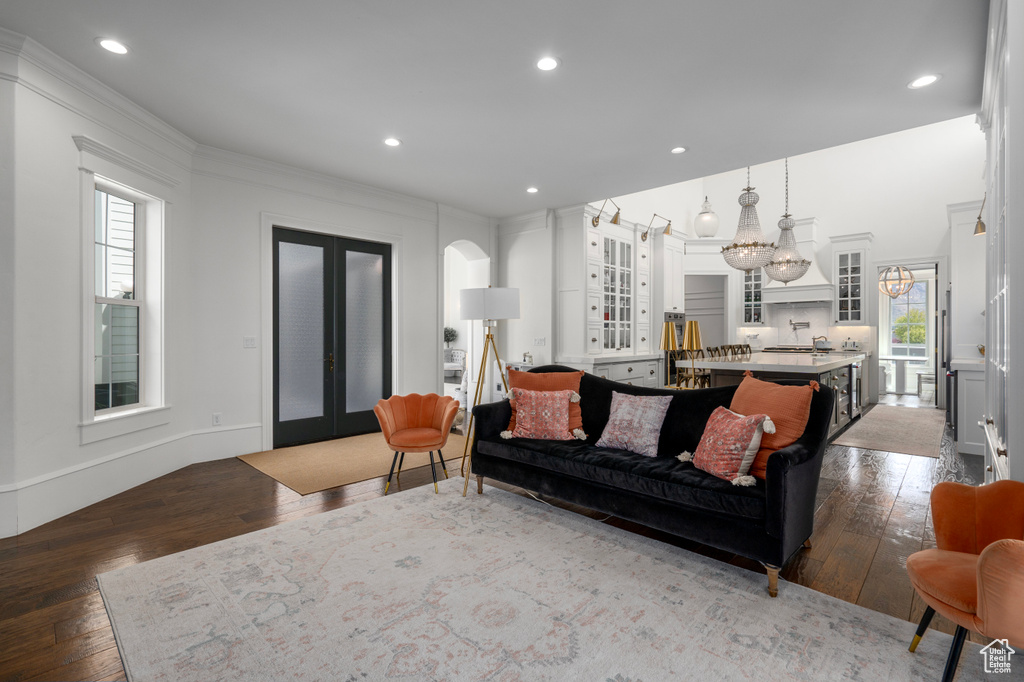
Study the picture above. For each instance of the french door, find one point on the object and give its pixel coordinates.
(332, 335)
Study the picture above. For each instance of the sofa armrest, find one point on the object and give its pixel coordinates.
(491, 419)
(791, 487)
(1001, 590)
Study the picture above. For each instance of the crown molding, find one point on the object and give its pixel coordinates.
(235, 167)
(462, 214)
(38, 56)
(88, 145)
(995, 53)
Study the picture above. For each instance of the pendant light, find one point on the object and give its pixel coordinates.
(895, 281)
(706, 222)
(787, 264)
(748, 249)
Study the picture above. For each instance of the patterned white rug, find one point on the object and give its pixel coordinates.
(418, 586)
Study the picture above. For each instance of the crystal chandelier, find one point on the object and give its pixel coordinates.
(895, 281)
(787, 264)
(748, 249)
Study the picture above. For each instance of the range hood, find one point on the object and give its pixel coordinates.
(813, 287)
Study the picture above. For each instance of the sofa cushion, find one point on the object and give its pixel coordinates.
(635, 423)
(789, 408)
(548, 381)
(662, 477)
(542, 414)
(729, 444)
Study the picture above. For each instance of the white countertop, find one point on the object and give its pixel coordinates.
(780, 362)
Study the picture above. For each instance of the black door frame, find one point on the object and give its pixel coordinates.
(335, 421)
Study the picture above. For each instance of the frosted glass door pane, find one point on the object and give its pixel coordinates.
(301, 331)
(364, 330)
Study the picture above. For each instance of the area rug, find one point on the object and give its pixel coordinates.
(910, 430)
(319, 466)
(418, 586)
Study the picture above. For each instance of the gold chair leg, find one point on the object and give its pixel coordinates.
(773, 580)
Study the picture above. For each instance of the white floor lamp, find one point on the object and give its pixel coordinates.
(489, 305)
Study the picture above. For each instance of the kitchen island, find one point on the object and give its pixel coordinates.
(840, 371)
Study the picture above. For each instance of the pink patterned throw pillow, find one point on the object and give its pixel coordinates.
(542, 414)
(635, 423)
(729, 445)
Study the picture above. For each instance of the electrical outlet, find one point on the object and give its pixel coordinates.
(248, 342)
(497, 387)
(216, 418)
(540, 341)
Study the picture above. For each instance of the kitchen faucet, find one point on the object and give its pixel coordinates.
(814, 340)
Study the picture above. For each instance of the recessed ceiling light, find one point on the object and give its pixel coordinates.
(923, 81)
(392, 142)
(678, 150)
(547, 64)
(112, 45)
(531, 190)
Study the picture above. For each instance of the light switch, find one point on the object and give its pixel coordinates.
(248, 342)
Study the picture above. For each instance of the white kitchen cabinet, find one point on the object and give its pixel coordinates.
(753, 307)
(604, 300)
(673, 276)
(852, 278)
(631, 372)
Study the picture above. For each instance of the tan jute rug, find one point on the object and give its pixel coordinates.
(910, 430)
(319, 466)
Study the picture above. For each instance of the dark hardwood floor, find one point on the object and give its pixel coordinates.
(872, 513)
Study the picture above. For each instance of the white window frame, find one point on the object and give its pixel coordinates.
(138, 299)
(151, 409)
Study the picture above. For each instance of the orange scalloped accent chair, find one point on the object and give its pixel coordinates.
(416, 423)
(975, 577)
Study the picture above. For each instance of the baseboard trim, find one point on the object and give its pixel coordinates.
(25, 505)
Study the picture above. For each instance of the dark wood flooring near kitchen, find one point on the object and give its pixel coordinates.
(872, 513)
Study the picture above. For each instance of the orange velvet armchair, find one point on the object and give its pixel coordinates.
(975, 577)
(416, 423)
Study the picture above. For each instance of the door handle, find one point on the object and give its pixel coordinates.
(330, 362)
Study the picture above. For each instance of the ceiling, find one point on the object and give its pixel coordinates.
(318, 84)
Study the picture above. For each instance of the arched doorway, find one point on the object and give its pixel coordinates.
(466, 266)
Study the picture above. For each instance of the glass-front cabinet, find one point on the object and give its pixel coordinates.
(753, 311)
(849, 287)
(617, 298)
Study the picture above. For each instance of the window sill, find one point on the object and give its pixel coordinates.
(121, 423)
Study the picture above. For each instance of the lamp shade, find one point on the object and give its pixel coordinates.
(489, 303)
(691, 337)
(669, 340)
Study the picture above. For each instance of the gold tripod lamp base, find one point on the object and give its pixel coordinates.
(467, 455)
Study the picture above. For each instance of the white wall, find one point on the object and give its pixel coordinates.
(967, 263)
(219, 209)
(526, 261)
(895, 186)
(8, 296)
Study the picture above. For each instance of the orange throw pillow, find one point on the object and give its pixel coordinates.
(548, 381)
(789, 407)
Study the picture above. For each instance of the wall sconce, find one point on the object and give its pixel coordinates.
(979, 228)
(668, 228)
(615, 218)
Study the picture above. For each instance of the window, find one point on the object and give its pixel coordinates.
(908, 322)
(118, 303)
(123, 299)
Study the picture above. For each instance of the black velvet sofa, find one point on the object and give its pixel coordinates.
(768, 522)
